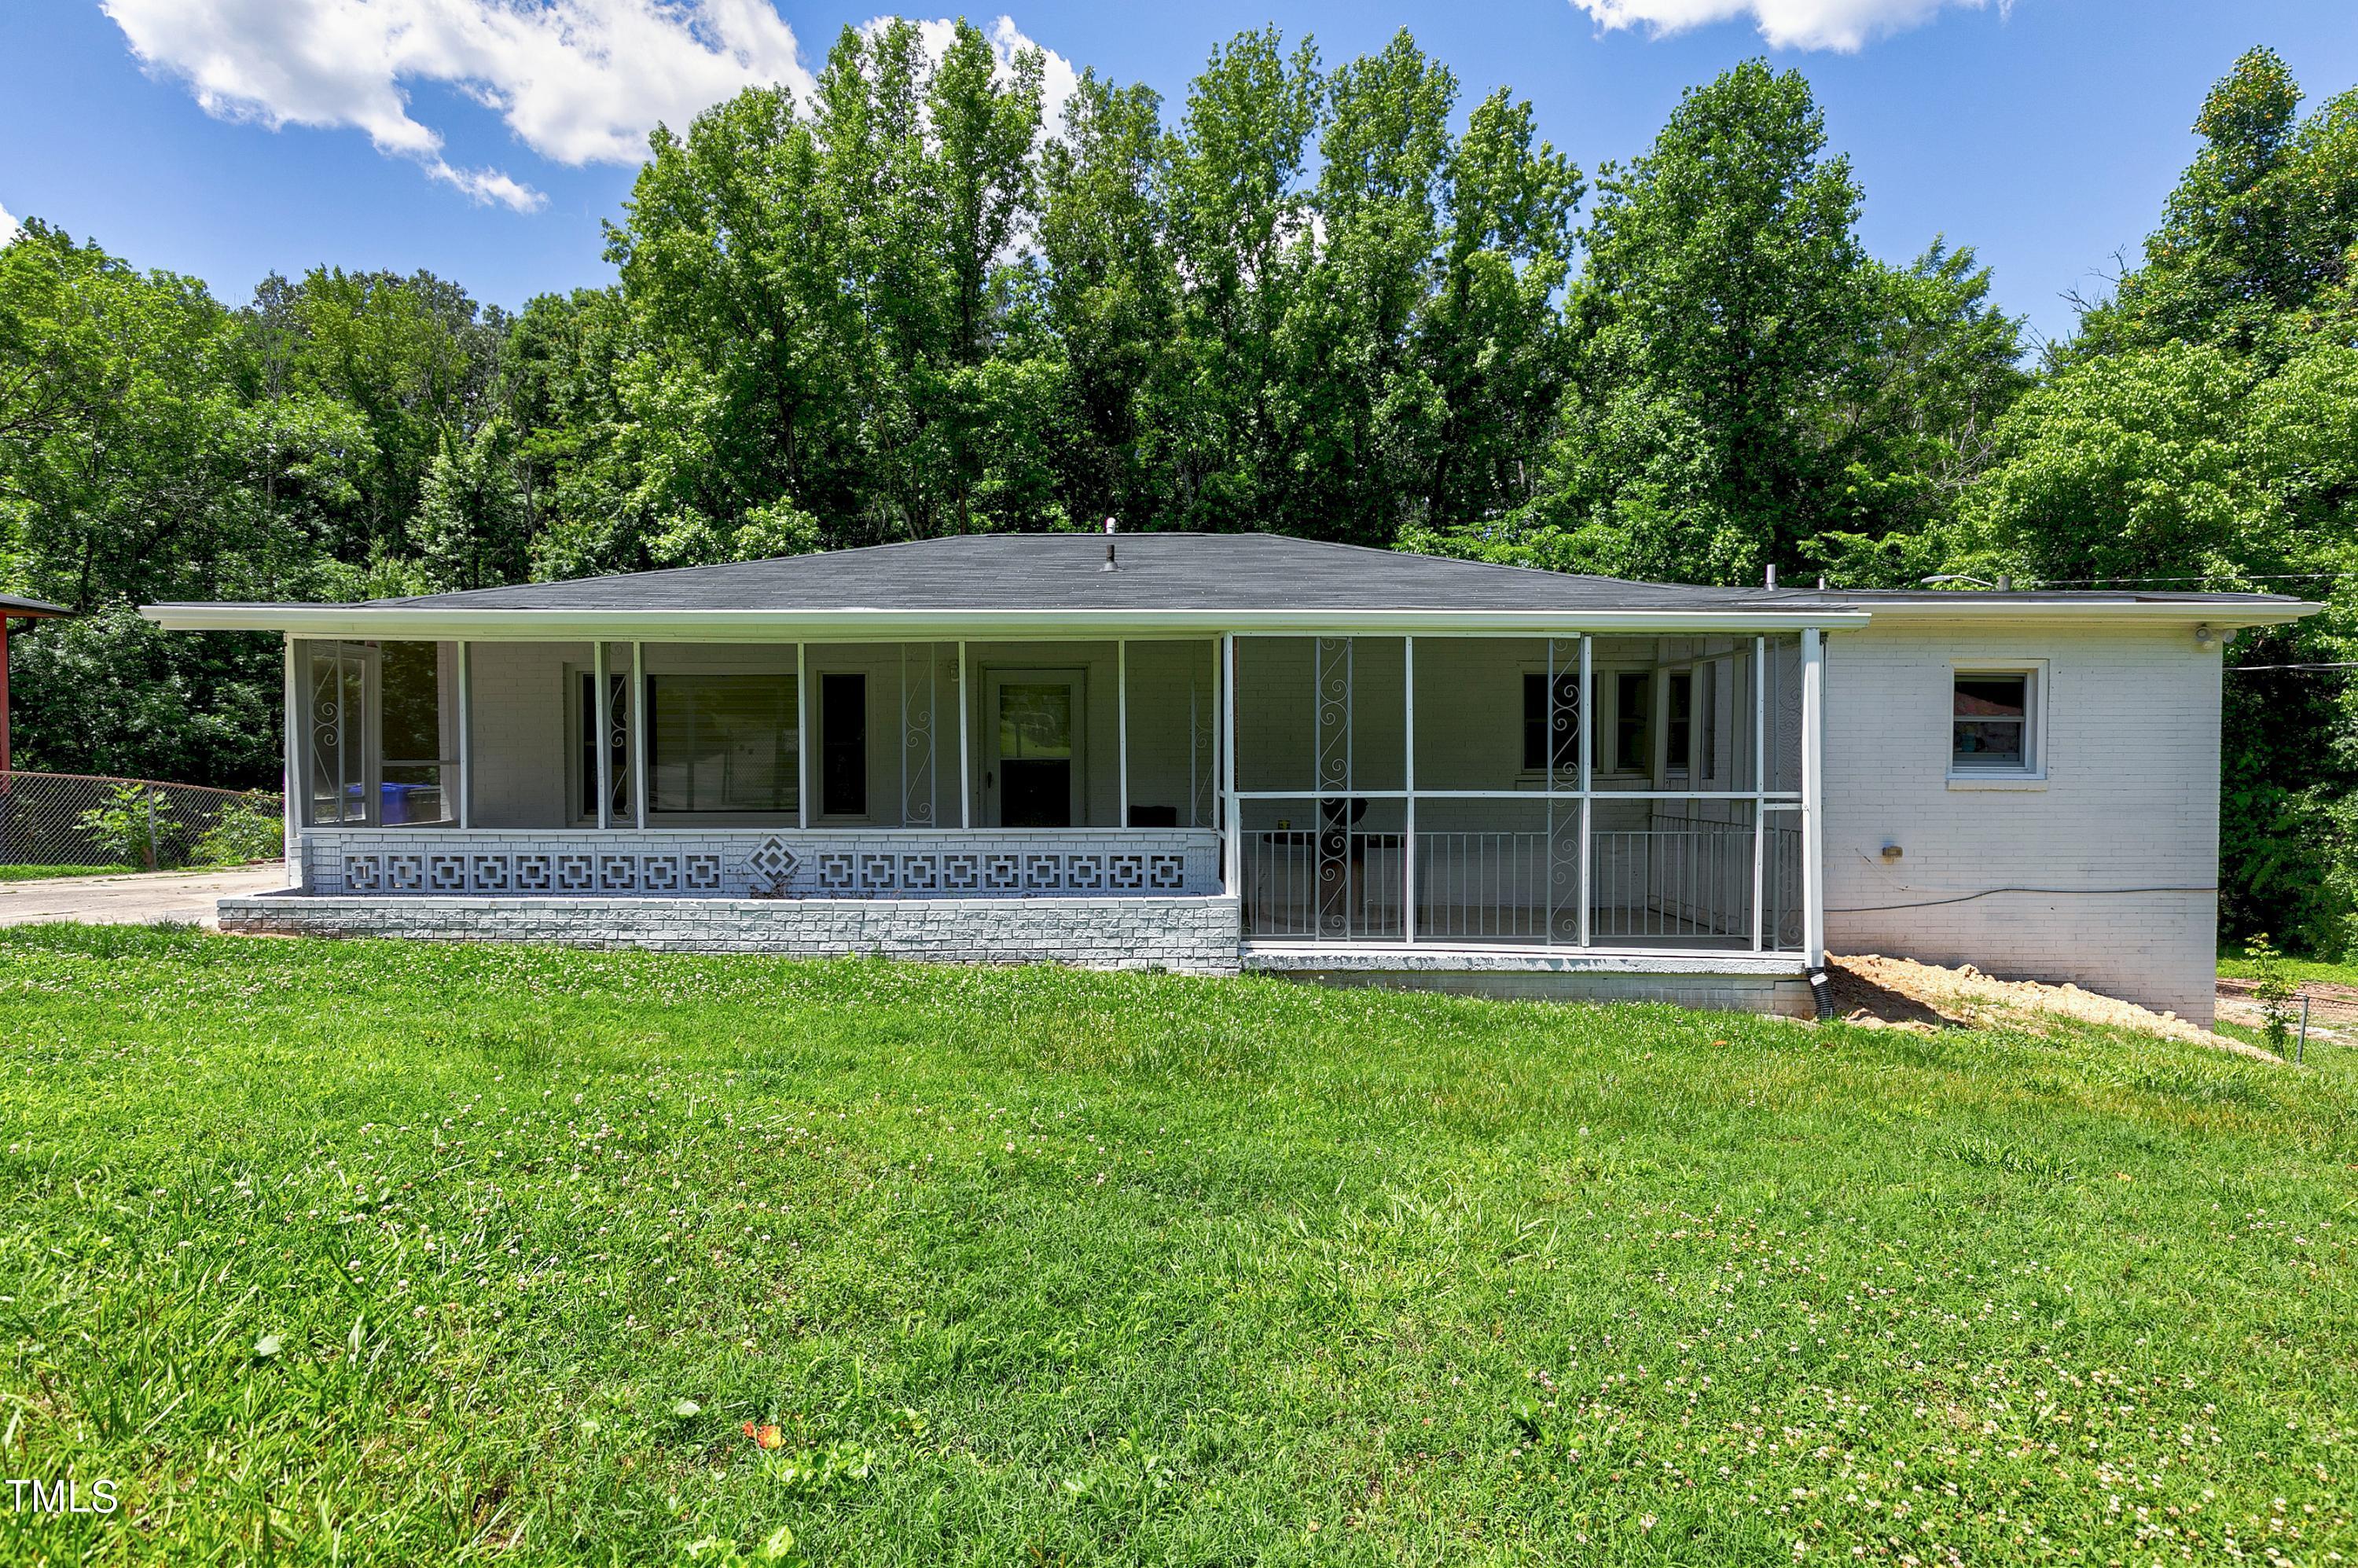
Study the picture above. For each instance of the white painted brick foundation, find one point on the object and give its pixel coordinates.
(1741, 984)
(1185, 934)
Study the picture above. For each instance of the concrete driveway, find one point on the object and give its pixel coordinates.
(138, 898)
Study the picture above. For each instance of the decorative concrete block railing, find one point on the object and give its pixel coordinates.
(689, 863)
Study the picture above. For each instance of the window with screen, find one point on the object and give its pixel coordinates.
(1550, 738)
(843, 745)
(1681, 719)
(1990, 722)
(1633, 721)
(1710, 681)
(723, 743)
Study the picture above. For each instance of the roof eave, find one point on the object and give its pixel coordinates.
(2223, 614)
(856, 624)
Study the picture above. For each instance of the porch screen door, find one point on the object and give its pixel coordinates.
(1032, 777)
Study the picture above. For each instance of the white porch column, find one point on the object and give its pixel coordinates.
(1232, 839)
(1121, 728)
(1759, 788)
(465, 738)
(1588, 740)
(1407, 787)
(634, 710)
(297, 874)
(965, 767)
(602, 747)
(802, 735)
(1813, 872)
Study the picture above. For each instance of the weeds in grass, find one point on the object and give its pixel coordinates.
(2041, 1167)
(2273, 988)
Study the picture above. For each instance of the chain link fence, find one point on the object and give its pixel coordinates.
(2316, 1014)
(88, 820)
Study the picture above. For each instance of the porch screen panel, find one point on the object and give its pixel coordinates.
(1324, 868)
(1277, 714)
(925, 723)
(336, 729)
(1174, 728)
(417, 740)
(1377, 669)
(1484, 717)
(1672, 874)
(723, 743)
(380, 732)
(1486, 870)
(1782, 753)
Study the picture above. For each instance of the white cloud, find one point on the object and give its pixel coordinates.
(7, 226)
(578, 81)
(1057, 76)
(1844, 25)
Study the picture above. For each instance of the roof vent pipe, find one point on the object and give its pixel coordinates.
(1772, 577)
(1109, 566)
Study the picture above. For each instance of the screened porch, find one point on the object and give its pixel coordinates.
(762, 769)
(1617, 793)
(1626, 793)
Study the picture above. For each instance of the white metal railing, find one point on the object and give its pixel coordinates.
(1674, 884)
(1490, 887)
(1688, 881)
(1323, 885)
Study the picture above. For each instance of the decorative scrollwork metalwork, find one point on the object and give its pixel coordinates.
(918, 787)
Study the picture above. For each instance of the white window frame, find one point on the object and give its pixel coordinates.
(1606, 679)
(702, 817)
(2037, 690)
(1600, 737)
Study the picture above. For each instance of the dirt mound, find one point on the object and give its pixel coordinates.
(1904, 994)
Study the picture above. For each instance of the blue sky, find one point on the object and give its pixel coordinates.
(274, 135)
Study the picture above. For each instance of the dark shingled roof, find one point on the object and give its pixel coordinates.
(986, 573)
(999, 572)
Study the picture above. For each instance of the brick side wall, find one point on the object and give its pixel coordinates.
(1193, 936)
(2130, 800)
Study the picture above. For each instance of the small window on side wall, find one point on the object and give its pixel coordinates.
(1992, 730)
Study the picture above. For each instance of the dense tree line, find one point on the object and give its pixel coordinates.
(1344, 303)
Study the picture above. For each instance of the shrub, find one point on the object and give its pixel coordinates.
(248, 829)
(125, 829)
(2273, 989)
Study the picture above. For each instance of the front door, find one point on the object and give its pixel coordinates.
(1033, 775)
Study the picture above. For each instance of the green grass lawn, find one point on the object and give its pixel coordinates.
(2298, 971)
(364, 1252)
(36, 873)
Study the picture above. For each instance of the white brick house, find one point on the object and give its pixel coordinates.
(1217, 752)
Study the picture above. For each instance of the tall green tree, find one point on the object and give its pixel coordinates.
(1491, 343)
(1241, 236)
(2197, 432)
(2256, 231)
(1724, 312)
(1109, 292)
